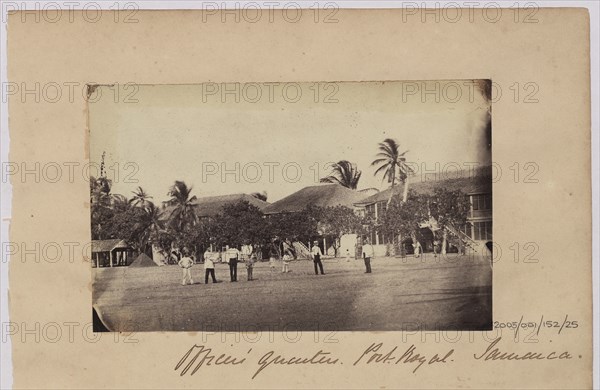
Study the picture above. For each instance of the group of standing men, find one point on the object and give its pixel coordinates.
(368, 252)
(186, 262)
(232, 257)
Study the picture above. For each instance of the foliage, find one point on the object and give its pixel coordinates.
(100, 203)
(237, 224)
(393, 165)
(260, 195)
(449, 207)
(299, 226)
(391, 162)
(148, 227)
(140, 197)
(344, 173)
(403, 218)
(182, 214)
(142, 224)
(337, 221)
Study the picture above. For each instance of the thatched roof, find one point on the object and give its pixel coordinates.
(479, 182)
(108, 245)
(210, 206)
(322, 195)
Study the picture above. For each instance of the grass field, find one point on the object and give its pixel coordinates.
(425, 293)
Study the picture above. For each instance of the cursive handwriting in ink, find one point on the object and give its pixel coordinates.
(206, 358)
(493, 353)
(410, 356)
(318, 358)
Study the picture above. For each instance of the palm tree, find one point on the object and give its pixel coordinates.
(100, 190)
(100, 200)
(140, 197)
(183, 213)
(120, 202)
(343, 173)
(150, 225)
(391, 162)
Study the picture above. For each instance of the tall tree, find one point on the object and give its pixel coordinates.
(344, 173)
(393, 165)
(450, 210)
(149, 226)
(100, 210)
(402, 219)
(298, 226)
(140, 197)
(120, 203)
(337, 221)
(183, 206)
(239, 224)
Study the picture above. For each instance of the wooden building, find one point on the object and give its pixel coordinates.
(111, 252)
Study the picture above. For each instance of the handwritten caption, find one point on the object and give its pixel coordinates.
(199, 356)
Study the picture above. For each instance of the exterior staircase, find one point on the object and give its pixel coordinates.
(470, 244)
(302, 251)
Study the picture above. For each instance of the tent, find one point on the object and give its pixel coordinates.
(143, 260)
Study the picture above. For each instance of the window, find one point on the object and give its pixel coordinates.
(483, 230)
(482, 202)
(370, 211)
(466, 229)
(381, 208)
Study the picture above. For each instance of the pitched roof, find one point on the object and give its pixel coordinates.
(477, 182)
(322, 195)
(209, 206)
(108, 245)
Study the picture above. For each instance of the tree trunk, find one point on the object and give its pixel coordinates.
(336, 246)
(402, 252)
(405, 192)
(444, 240)
(392, 190)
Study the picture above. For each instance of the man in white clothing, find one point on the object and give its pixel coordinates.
(186, 264)
(316, 255)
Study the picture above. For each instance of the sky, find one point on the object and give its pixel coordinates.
(244, 138)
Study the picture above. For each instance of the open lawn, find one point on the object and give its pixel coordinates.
(401, 294)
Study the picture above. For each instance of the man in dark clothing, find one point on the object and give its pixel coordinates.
(232, 259)
(316, 255)
(368, 253)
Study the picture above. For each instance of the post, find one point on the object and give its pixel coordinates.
(324, 246)
(110, 257)
(97, 260)
(444, 240)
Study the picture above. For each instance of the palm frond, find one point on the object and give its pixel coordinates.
(381, 168)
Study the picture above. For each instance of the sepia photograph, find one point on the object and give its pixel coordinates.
(299, 195)
(346, 206)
